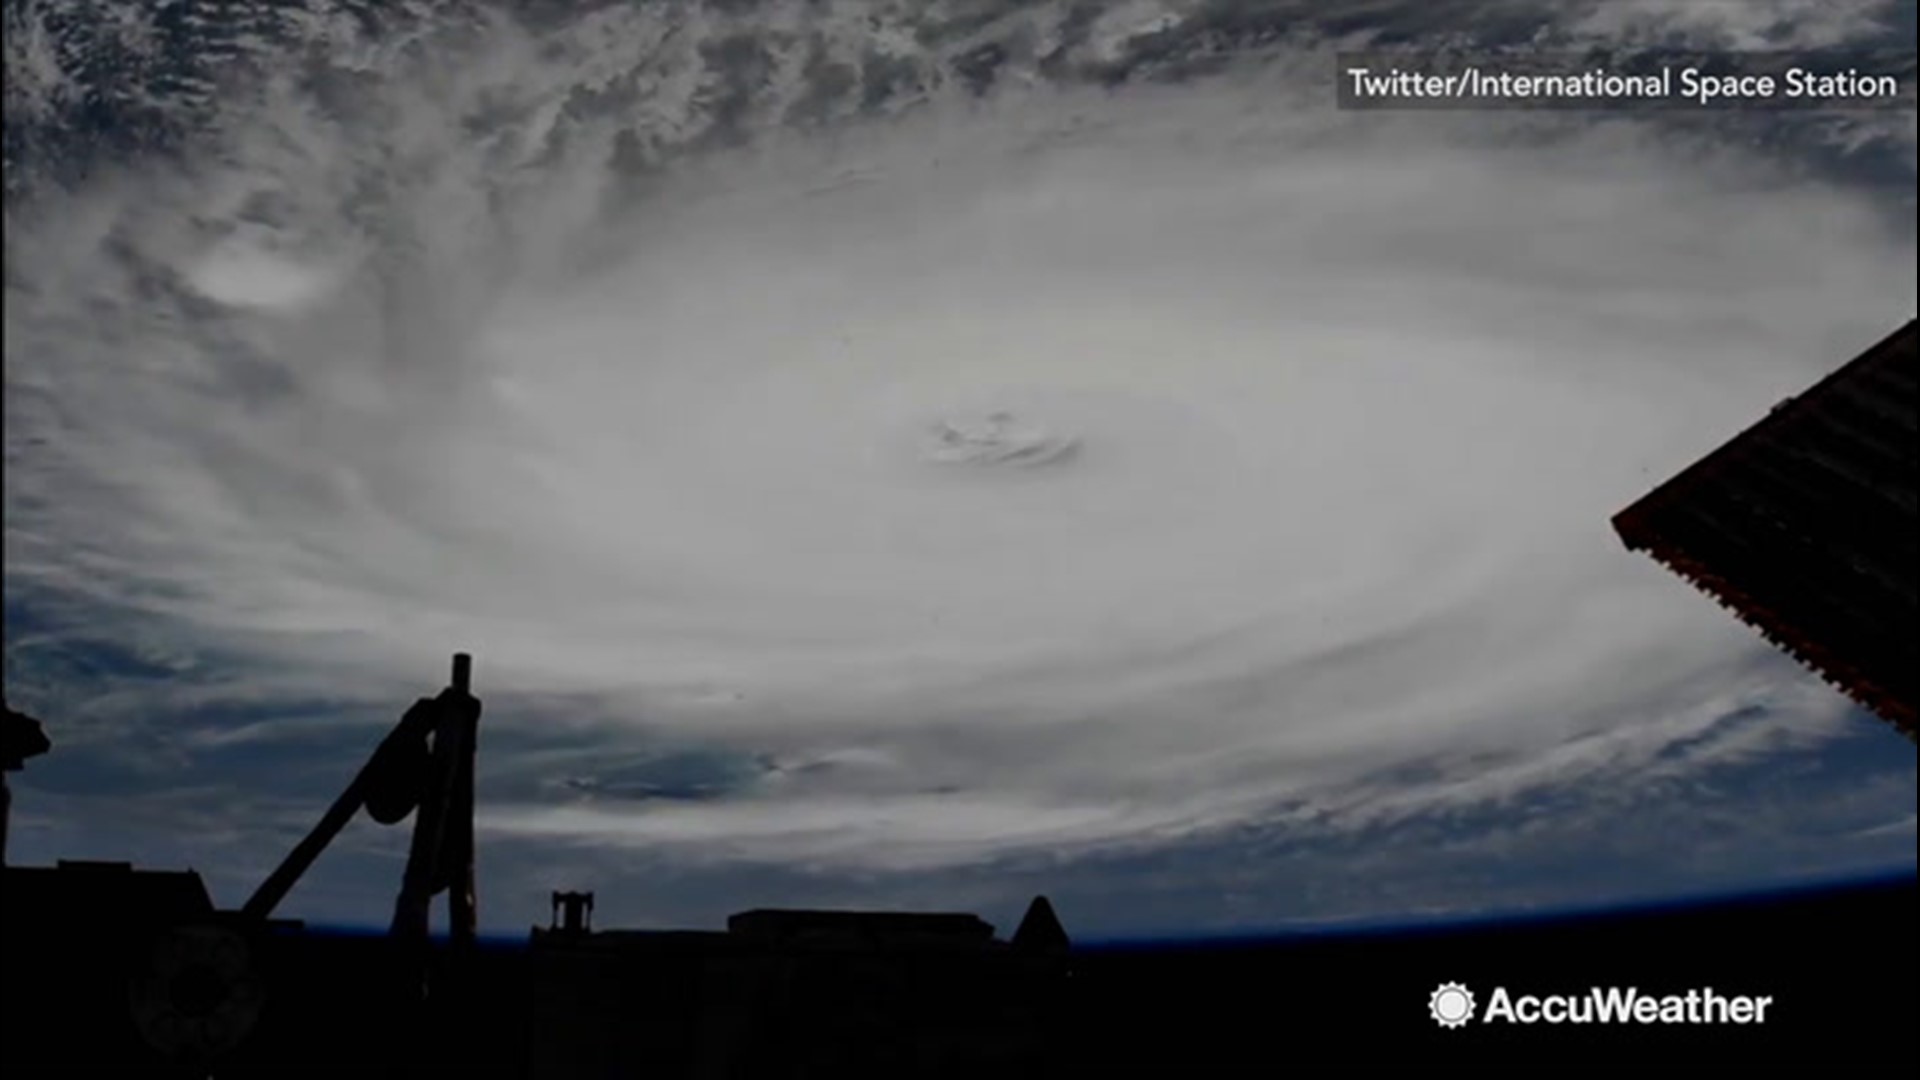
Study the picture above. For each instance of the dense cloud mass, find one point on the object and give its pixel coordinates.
(871, 445)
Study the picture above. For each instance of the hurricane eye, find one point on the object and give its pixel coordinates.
(991, 439)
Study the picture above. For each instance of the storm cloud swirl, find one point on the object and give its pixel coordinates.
(956, 433)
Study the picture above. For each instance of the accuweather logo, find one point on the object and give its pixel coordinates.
(1452, 1005)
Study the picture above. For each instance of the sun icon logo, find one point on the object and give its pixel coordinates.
(1451, 1005)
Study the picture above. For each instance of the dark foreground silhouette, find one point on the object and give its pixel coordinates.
(1805, 525)
(110, 971)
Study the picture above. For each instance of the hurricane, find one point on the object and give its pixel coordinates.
(879, 441)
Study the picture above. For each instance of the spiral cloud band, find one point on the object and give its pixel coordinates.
(969, 473)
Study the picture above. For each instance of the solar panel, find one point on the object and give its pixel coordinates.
(1803, 526)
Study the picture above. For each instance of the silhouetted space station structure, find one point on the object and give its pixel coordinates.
(1804, 526)
(112, 969)
(810, 993)
(21, 737)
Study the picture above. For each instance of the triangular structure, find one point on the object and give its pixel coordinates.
(1040, 929)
